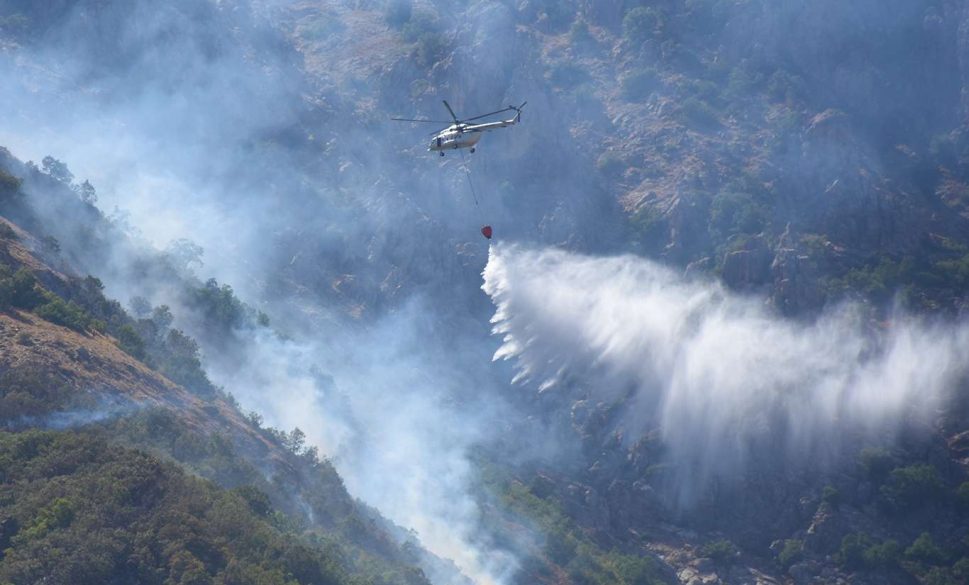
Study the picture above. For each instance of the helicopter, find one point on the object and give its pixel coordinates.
(461, 133)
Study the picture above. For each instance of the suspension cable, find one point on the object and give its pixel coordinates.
(467, 170)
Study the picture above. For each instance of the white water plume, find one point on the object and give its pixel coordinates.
(718, 373)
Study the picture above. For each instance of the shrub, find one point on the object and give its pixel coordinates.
(924, 549)
(634, 570)
(130, 342)
(883, 555)
(25, 292)
(179, 360)
(831, 496)
(962, 496)
(853, 547)
(610, 163)
(940, 576)
(68, 314)
(638, 84)
(650, 227)
(58, 514)
(791, 553)
(641, 24)
(955, 271)
(9, 184)
(579, 34)
(859, 552)
(6, 232)
(961, 569)
(6, 290)
(912, 486)
(431, 48)
(699, 115)
(557, 15)
(219, 306)
(567, 75)
(736, 213)
(875, 462)
(419, 25)
(722, 551)
(784, 87)
(50, 244)
(398, 12)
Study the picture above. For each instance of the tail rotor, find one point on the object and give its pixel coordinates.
(518, 109)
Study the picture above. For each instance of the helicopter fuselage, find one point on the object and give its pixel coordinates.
(464, 135)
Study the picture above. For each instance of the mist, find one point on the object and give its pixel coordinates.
(721, 376)
(228, 124)
(196, 121)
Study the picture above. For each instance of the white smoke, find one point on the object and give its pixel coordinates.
(717, 372)
(105, 410)
(397, 411)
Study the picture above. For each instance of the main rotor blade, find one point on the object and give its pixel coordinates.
(448, 106)
(425, 121)
(491, 114)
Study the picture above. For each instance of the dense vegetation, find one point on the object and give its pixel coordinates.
(776, 141)
(88, 311)
(287, 518)
(77, 509)
(566, 550)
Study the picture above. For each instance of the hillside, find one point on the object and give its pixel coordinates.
(73, 370)
(110, 414)
(730, 276)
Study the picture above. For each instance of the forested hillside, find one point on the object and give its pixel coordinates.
(719, 336)
(141, 450)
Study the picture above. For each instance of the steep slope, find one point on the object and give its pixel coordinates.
(805, 152)
(771, 162)
(78, 509)
(61, 369)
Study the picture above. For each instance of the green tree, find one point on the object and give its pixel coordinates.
(876, 463)
(9, 184)
(831, 496)
(722, 551)
(791, 553)
(185, 254)
(398, 12)
(962, 496)
(924, 549)
(911, 486)
(130, 342)
(57, 170)
(25, 292)
(638, 84)
(883, 555)
(66, 313)
(641, 24)
(87, 192)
